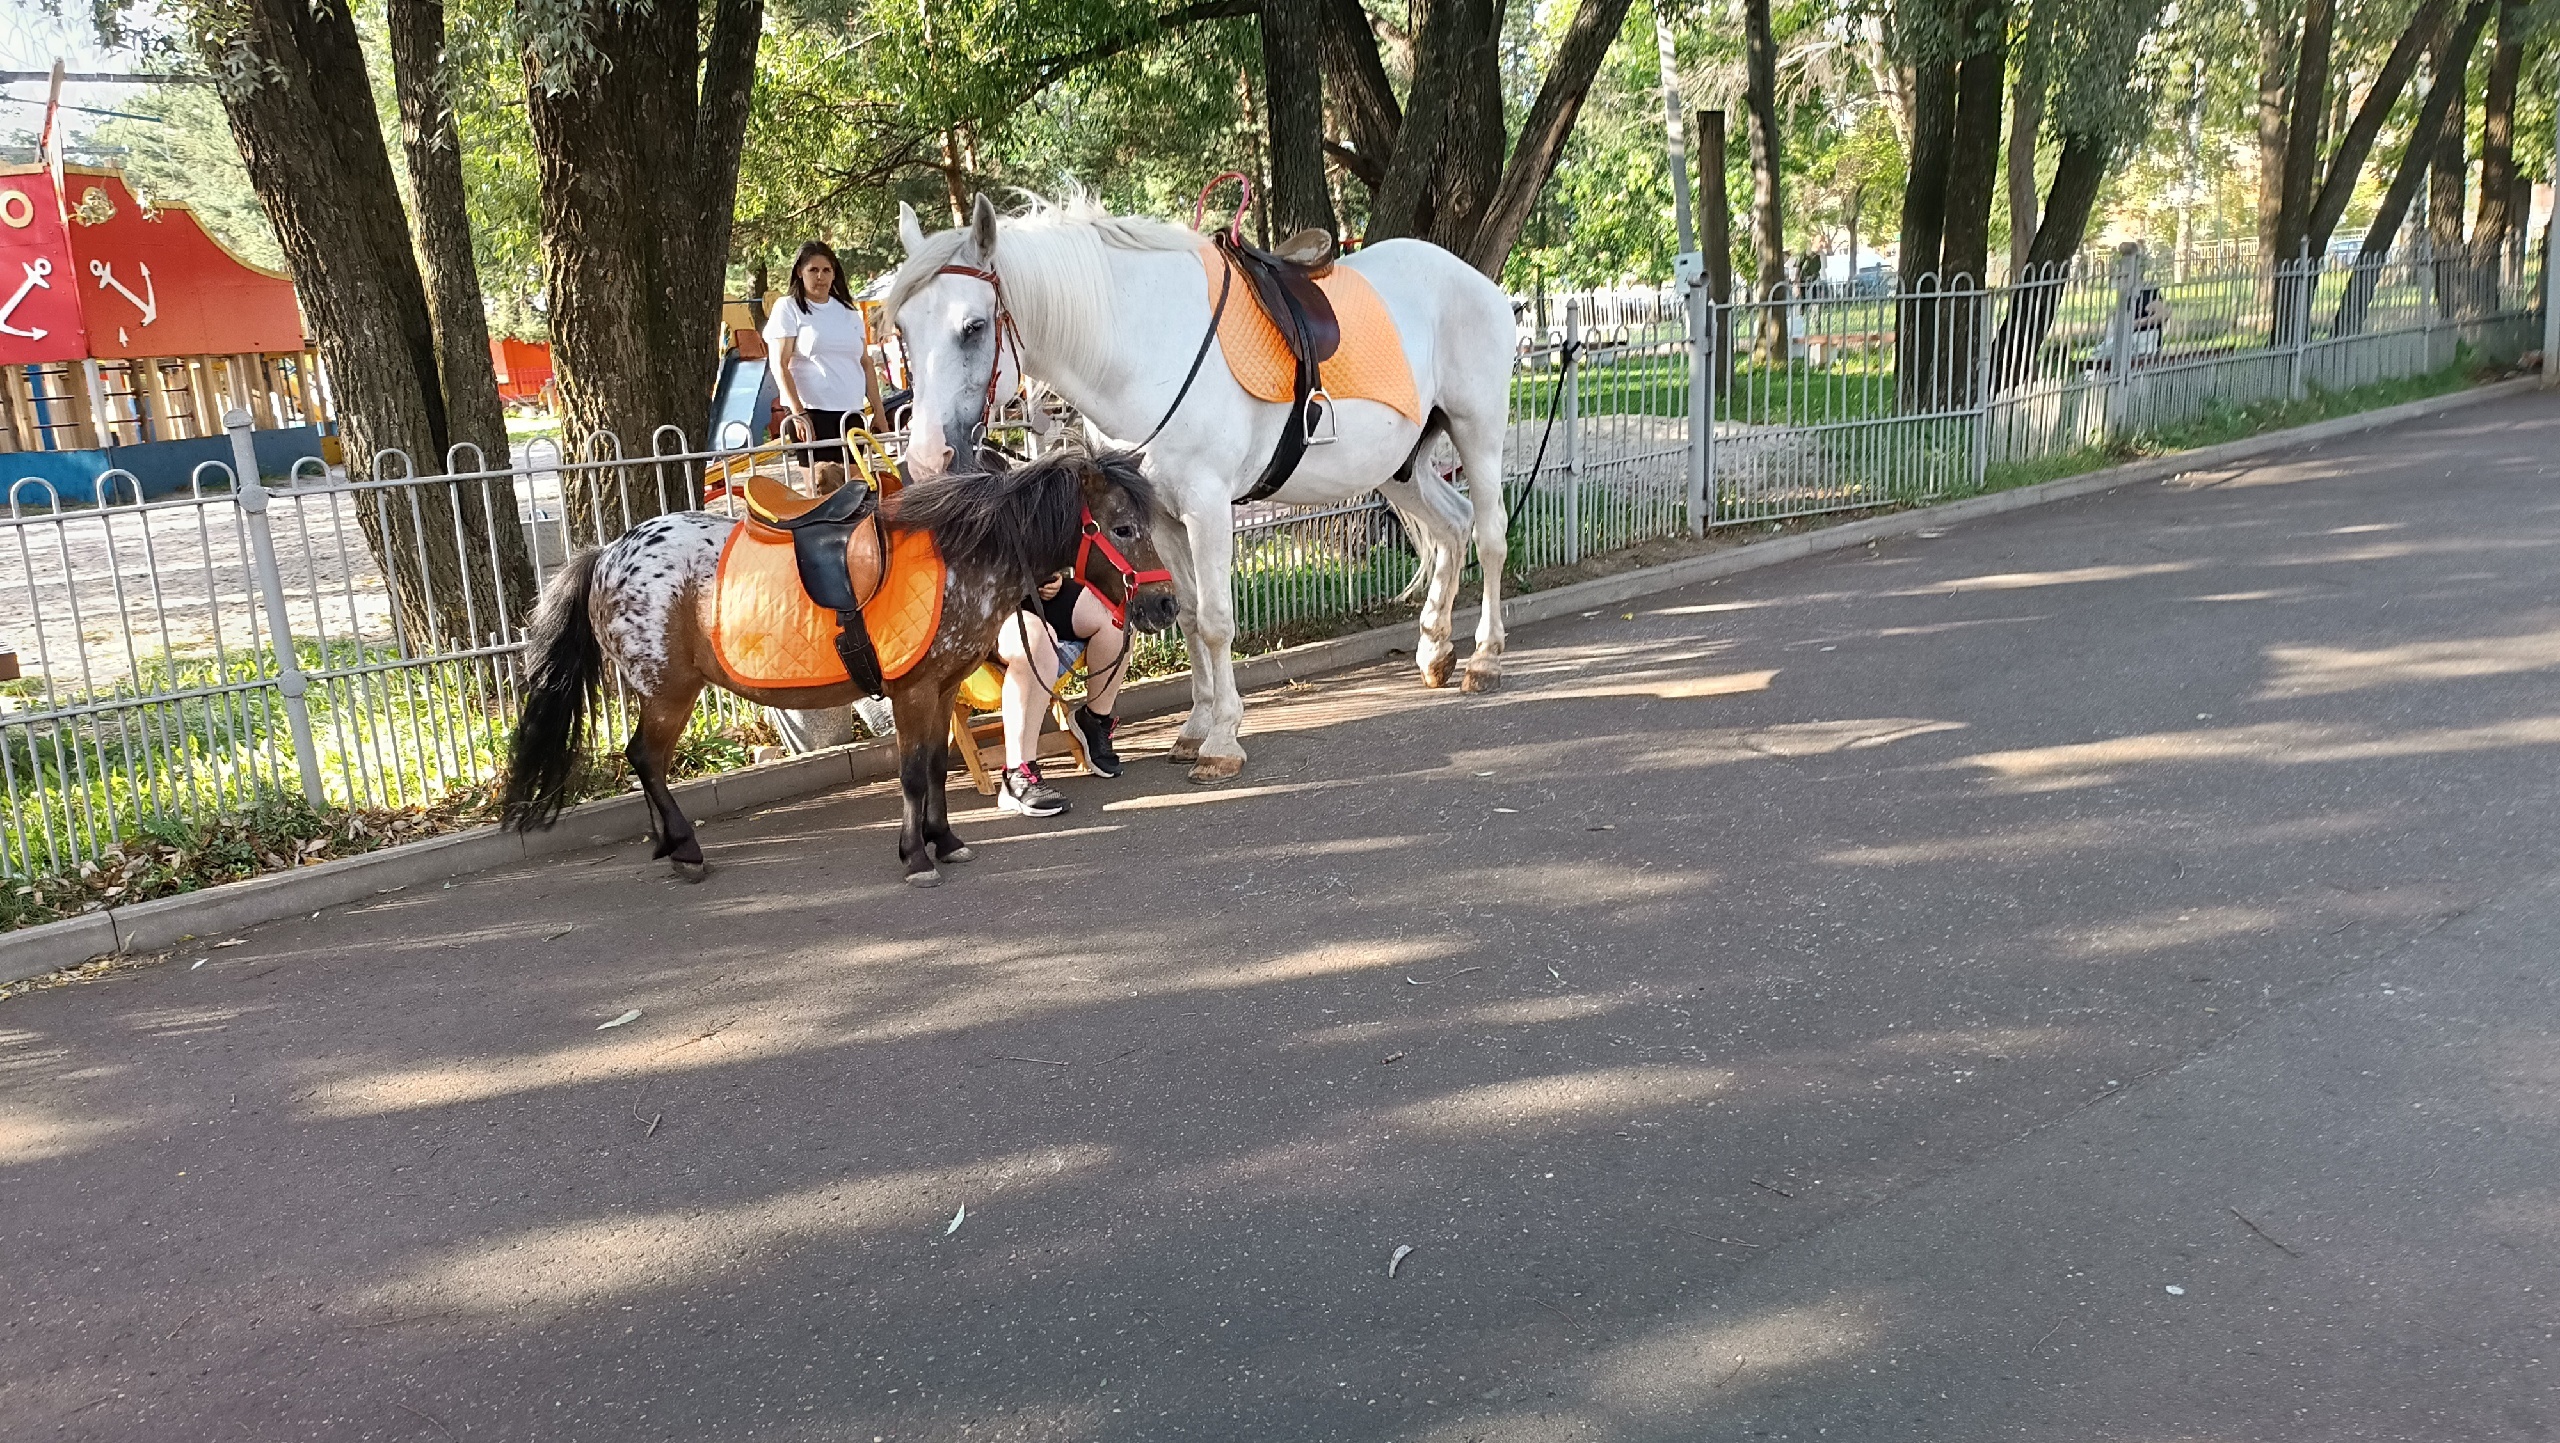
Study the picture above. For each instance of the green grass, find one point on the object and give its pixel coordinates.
(2223, 421)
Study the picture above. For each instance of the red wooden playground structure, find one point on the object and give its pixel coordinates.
(126, 330)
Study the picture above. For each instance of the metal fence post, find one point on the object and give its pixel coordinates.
(251, 494)
(1702, 405)
(1571, 403)
(1982, 372)
(2551, 274)
(2297, 304)
(2120, 337)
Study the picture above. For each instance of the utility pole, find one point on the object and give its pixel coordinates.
(1676, 144)
(2551, 263)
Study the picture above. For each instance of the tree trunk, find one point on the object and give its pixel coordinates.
(1924, 225)
(472, 414)
(2303, 133)
(1715, 207)
(1973, 175)
(2447, 185)
(1575, 64)
(2275, 81)
(2498, 145)
(306, 128)
(2077, 175)
(2444, 93)
(1768, 201)
(637, 147)
(1474, 137)
(2355, 144)
(2026, 118)
(1362, 94)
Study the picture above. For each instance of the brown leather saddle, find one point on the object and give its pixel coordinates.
(836, 543)
(1283, 284)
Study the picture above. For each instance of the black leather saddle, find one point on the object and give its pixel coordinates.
(826, 535)
(1287, 292)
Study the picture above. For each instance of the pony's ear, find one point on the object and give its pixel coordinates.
(910, 229)
(982, 230)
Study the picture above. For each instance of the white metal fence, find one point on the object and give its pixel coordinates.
(354, 641)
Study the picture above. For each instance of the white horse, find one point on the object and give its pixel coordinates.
(1109, 312)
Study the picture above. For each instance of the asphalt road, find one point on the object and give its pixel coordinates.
(2085, 975)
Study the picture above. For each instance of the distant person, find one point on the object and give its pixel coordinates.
(2150, 320)
(821, 354)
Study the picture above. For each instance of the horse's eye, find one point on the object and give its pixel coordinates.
(1125, 532)
(976, 327)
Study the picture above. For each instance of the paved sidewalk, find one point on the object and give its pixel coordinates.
(1836, 1002)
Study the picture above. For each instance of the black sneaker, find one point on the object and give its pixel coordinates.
(1026, 793)
(1096, 731)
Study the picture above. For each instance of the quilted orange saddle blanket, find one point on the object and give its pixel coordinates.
(768, 633)
(1369, 366)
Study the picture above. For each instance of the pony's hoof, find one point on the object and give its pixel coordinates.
(960, 853)
(1183, 750)
(1216, 769)
(925, 878)
(1435, 672)
(1479, 680)
(691, 871)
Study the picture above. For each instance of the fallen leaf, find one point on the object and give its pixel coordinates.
(232, 942)
(199, 962)
(631, 1016)
(957, 1219)
(1396, 1258)
(1392, 1057)
(563, 932)
(1508, 811)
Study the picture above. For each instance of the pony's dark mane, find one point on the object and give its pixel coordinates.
(1019, 524)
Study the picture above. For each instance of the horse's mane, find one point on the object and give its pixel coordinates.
(1051, 259)
(1019, 524)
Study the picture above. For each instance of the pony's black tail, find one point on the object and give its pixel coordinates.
(560, 690)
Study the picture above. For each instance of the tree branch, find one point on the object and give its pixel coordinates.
(2346, 167)
(1046, 73)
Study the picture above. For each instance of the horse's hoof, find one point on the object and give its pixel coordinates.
(1435, 673)
(925, 878)
(1183, 750)
(960, 853)
(1479, 680)
(691, 871)
(1216, 769)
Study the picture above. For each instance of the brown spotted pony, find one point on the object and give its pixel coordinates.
(646, 606)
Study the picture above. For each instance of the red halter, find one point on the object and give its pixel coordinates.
(1131, 578)
(1005, 334)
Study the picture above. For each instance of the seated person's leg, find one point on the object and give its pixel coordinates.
(1104, 643)
(1030, 653)
(1105, 647)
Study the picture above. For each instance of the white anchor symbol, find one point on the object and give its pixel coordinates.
(148, 302)
(36, 270)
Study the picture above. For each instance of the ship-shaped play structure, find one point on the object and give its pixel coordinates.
(126, 330)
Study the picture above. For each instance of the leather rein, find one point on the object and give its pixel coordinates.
(1006, 334)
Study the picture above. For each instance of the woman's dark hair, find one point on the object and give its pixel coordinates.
(808, 251)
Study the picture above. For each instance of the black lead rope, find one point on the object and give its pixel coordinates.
(1226, 279)
(1555, 398)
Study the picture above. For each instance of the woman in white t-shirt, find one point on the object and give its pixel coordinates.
(821, 353)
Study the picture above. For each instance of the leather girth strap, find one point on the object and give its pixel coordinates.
(824, 539)
(1288, 294)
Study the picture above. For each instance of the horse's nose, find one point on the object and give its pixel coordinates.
(927, 458)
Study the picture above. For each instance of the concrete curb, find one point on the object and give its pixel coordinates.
(151, 926)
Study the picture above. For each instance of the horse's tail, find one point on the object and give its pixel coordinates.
(560, 691)
(1430, 493)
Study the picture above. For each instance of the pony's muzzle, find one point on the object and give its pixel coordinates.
(1153, 613)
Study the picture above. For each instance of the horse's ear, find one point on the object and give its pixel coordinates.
(910, 229)
(982, 230)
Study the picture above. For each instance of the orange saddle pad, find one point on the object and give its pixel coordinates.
(767, 632)
(1369, 366)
